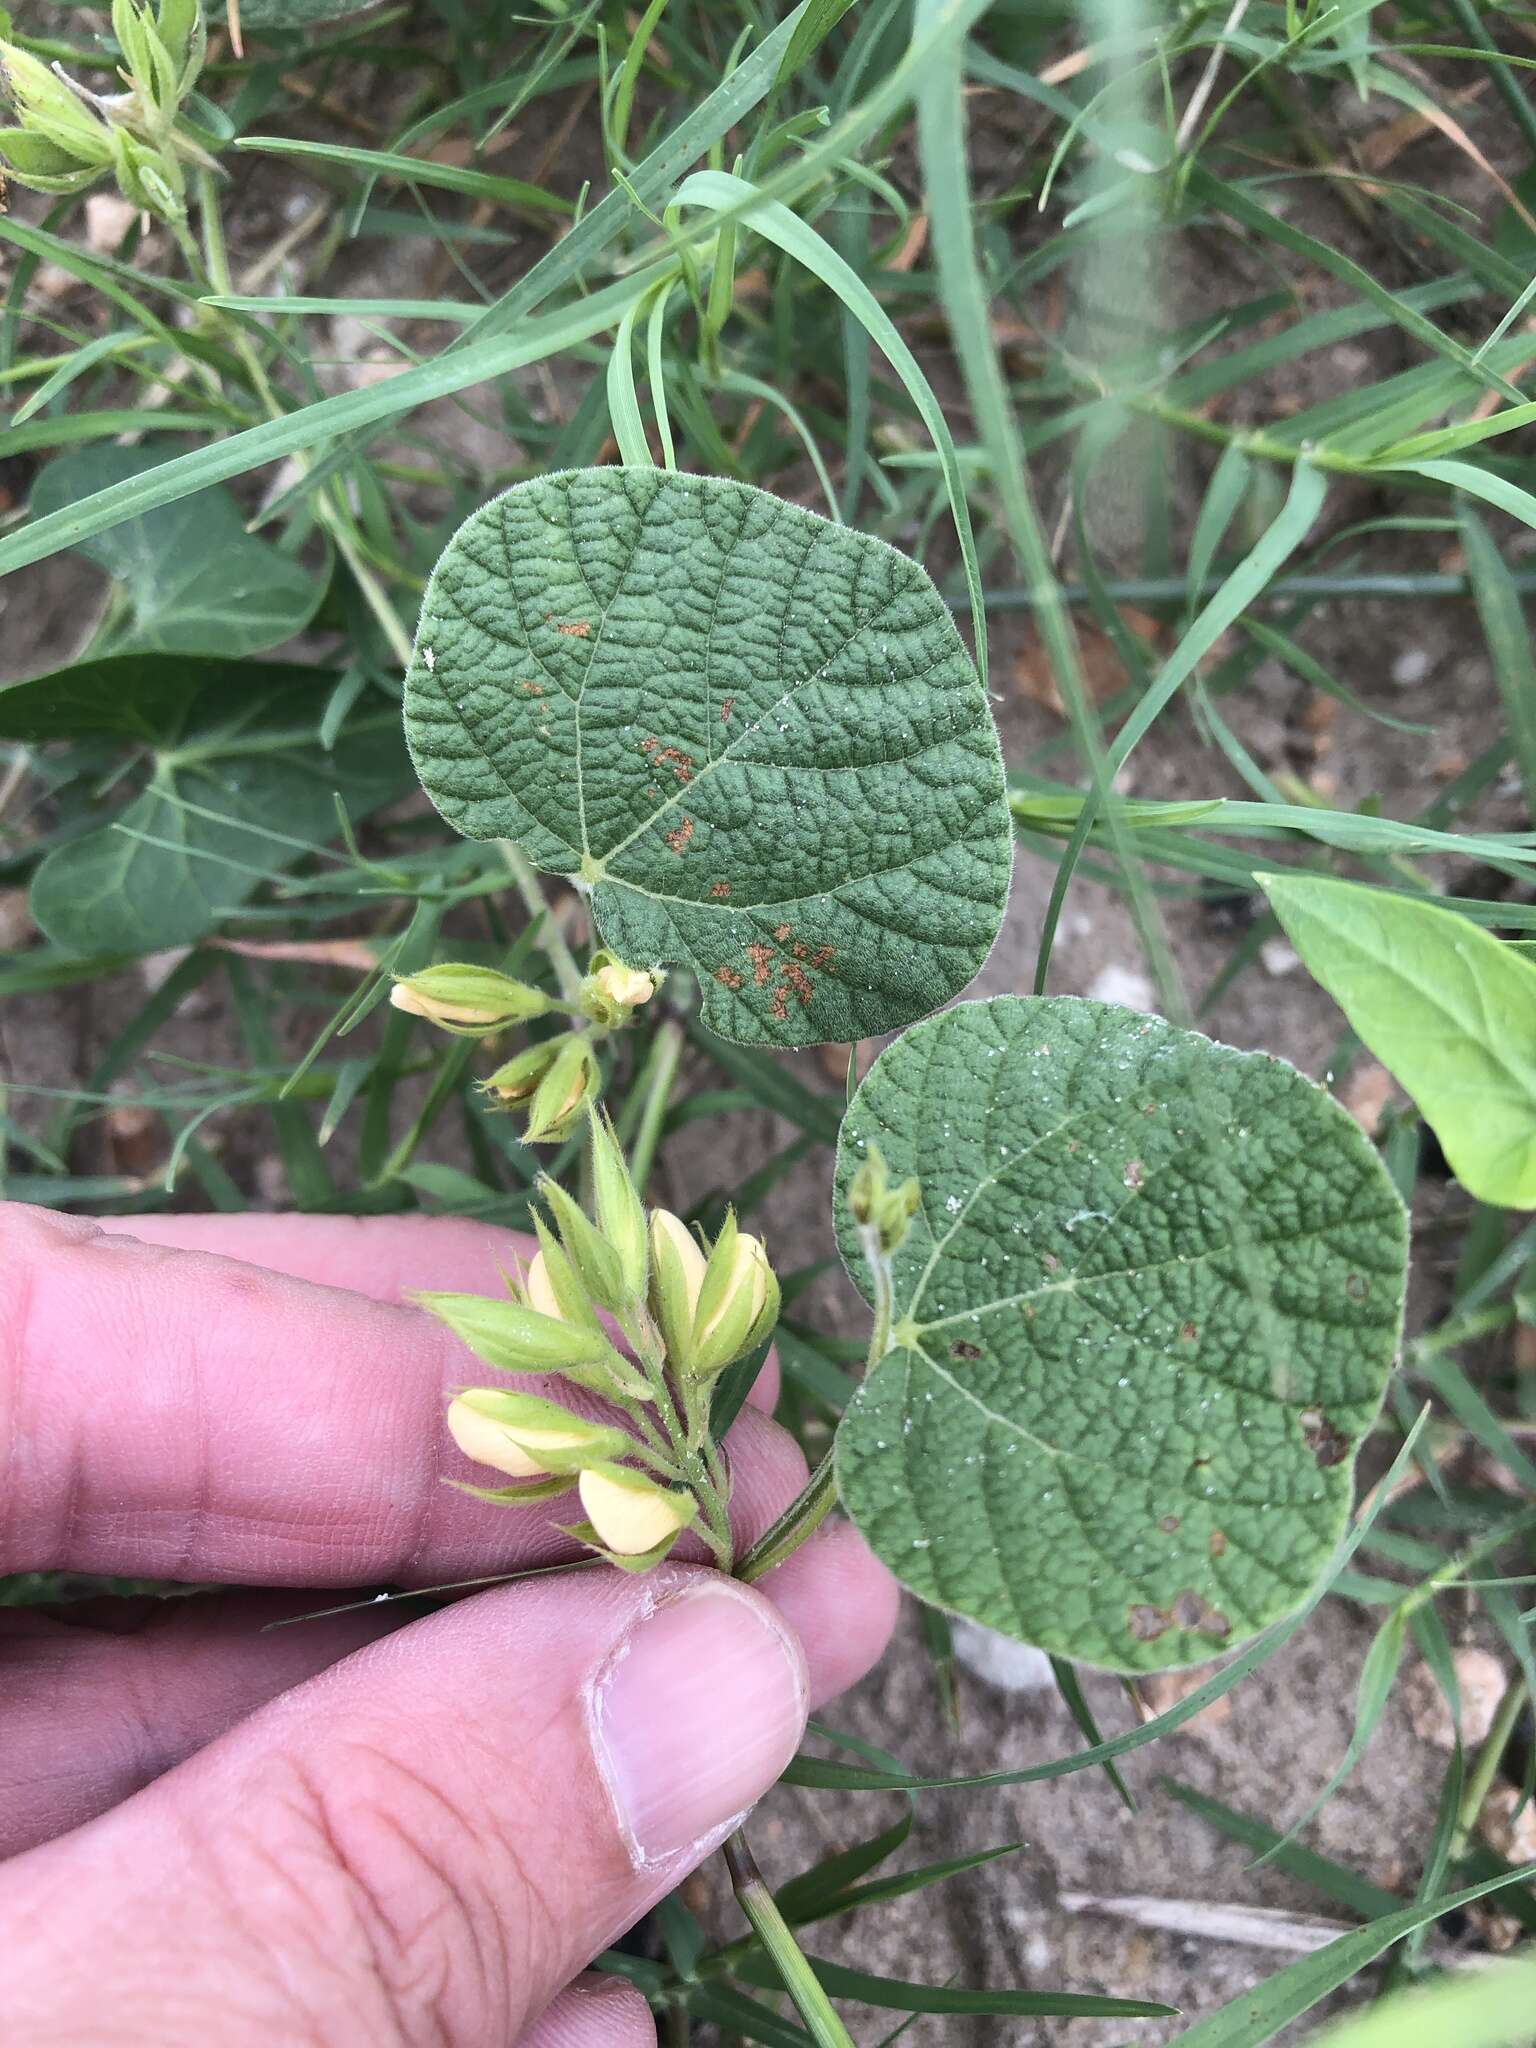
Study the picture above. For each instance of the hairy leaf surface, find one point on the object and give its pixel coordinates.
(755, 734)
(1143, 1319)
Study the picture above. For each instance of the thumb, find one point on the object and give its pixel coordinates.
(428, 1840)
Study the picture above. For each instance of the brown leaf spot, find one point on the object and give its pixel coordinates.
(762, 963)
(680, 763)
(1169, 1524)
(1217, 1543)
(1132, 1174)
(1190, 1610)
(530, 688)
(649, 746)
(822, 957)
(796, 978)
(719, 890)
(728, 977)
(964, 1350)
(1052, 1263)
(1188, 1332)
(679, 838)
(779, 1007)
(1146, 1624)
(575, 629)
(1328, 1444)
(727, 706)
(782, 932)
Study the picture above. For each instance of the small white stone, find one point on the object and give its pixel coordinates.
(1127, 986)
(1410, 667)
(999, 1660)
(1279, 957)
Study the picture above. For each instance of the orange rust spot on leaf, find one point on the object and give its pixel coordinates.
(782, 932)
(531, 689)
(719, 889)
(680, 763)
(648, 746)
(679, 838)
(575, 629)
(797, 979)
(728, 977)
(762, 963)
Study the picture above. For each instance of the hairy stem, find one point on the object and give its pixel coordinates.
(551, 938)
(773, 1931)
(800, 1520)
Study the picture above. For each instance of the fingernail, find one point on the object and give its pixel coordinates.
(695, 1715)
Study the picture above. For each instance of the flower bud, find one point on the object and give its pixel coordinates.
(47, 108)
(527, 1437)
(875, 1205)
(468, 1001)
(517, 1079)
(515, 1338)
(677, 1275)
(596, 1262)
(630, 1514)
(738, 1303)
(629, 987)
(612, 992)
(560, 1100)
(616, 1203)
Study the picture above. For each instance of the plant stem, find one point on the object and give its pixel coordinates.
(657, 1079)
(801, 1519)
(529, 887)
(1486, 1767)
(773, 1931)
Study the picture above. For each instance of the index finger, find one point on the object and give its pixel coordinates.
(382, 1256)
(186, 1416)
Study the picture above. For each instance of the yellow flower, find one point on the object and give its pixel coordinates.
(630, 1513)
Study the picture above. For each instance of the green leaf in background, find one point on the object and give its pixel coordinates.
(194, 581)
(756, 735)
(1258, 2015)
(1446, 1009)
(1490, 2007)
(1144, 1318)
(235, 778)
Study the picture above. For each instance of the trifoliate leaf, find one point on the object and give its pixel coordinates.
(1144, 1317)
(756, 735)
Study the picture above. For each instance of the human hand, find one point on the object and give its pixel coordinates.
(352, 1830)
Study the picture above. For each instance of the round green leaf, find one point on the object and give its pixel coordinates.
(757, 736)
(1144, 1317)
